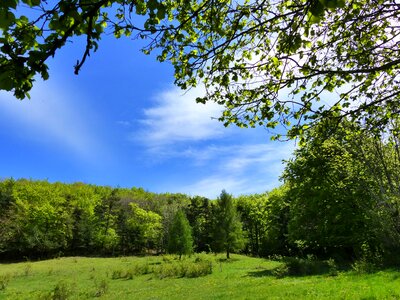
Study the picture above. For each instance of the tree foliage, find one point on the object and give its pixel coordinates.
(39, 218)
(180, 235)
(254, 216)
(227, 233)
(199, 214)
(266, 62)
(340, 200)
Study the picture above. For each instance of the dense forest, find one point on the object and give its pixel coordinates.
(339, 198)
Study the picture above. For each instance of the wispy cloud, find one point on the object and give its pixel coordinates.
(240, 169)
(177, 128)
(176, 117)
(52, 117)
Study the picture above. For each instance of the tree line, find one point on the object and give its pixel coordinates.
(339, 199)
(42, 219)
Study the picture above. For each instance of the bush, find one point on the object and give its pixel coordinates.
(333, 269)
(293, 266)
(363, 266)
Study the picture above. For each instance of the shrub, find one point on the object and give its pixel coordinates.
(333, 269)
(363, 266)
(293, 266)
(281, 271)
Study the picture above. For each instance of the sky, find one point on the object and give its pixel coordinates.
(122, 122)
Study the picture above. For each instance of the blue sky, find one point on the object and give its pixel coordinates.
(122, 122)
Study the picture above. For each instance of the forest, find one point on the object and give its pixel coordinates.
(339, 199)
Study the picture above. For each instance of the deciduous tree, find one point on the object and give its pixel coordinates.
(266, 62)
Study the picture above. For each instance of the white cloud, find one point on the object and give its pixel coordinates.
(177, 128)
(53, 116)
(176, 117)
(240, 169)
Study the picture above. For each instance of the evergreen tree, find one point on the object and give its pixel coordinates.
(227, 233)
(180, 239)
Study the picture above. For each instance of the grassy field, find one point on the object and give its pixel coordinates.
(150, 278)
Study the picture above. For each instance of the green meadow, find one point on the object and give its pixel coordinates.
(167, 277)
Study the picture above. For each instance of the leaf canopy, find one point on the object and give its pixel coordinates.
(266, 62)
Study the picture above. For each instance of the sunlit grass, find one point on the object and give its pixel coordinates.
(239, 278)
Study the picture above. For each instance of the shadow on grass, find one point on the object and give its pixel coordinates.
(298, 267)
(262, 273)
(227, 260)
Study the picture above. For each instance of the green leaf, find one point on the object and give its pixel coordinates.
(7, 18)
(9, 4)
(6, 82)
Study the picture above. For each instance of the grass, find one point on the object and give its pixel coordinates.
(139, 278)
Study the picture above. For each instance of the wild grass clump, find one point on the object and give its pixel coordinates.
(4, 281)
(169, 267)
(101, 287)
(123, 274)
(118, 274)
(28, 270)
(62, 291)
(141, 269)
(198, 269)
(185, 268)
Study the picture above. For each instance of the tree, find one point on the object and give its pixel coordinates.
(145, 226)
(37, 222)
(254, 215)
(227, 233)
(199, 215)
(338, 205)
(180, 239)
(275, 239)
(266, 62)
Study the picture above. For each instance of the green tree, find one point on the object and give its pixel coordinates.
(82, 200)
(254, 215)
(227, 233)
(180, 239)
(267, 62)
(106, 237)
(333, 210)
(37, 221)
(145, 227)
(275, 239)
(6, 198)
(199, 215)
